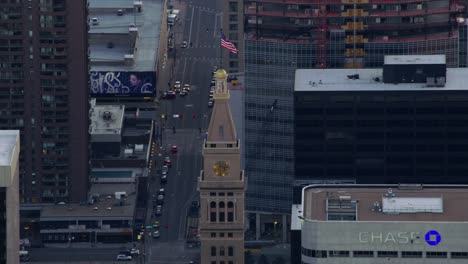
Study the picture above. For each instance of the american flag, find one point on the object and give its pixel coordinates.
(225, 43)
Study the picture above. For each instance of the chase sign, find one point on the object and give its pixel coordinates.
(432, 238)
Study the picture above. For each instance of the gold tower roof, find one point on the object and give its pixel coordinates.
(221, 74)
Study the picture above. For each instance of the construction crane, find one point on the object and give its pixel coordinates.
(264, 130)
(322, 34)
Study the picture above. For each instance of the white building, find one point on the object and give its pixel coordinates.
(350, 224)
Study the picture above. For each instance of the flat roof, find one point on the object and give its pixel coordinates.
(107, 119)
(148, 23)
(414, 59)
(106, 207)
(110, 188)
(110, 4)
(337, 80)
(8, 140)
(426, 203)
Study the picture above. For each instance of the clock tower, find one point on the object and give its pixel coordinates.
(222, 185)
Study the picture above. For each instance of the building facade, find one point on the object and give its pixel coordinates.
(364, 131)
(282, 36)
(43, 93)
(222, 185)
(233, 28)
(382, 224)
(9, 196)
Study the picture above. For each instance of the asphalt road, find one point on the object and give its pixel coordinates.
(193, 65)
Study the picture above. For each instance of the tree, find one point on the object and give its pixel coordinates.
(248, 258)
(263, 260)
(279, 260)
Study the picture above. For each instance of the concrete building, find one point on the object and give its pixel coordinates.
(9, 196)
(107, 216)
(43, 93)
(387, 126)
(282, 36)
(222, 185)
(124, 51)
(233, 28)
(402, 224)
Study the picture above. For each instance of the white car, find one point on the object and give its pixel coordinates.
(134, 251)
(124, 257)
(186, 87)
(177, 85)
(156, 234)
(164, 168)
(183, 93)
(210, 103)
(184, 44)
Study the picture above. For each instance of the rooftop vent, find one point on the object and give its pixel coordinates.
(96, 208)
(107, 115)
(376, 207)
(435, 81)
(109, 208)
(353, 76)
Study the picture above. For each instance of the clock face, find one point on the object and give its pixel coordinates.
(221, 168)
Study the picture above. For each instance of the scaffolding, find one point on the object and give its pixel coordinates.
(364, 22)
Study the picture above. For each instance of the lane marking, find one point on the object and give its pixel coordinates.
(191, 24)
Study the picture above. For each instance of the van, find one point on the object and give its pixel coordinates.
(95, 21)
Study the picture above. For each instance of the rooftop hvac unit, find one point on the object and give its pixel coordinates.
(128, 152)
(139, 148)
(120, 195)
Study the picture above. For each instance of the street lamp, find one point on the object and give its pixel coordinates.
(274, 226)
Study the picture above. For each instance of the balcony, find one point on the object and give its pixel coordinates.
(402, 13)
(308, 13)
(204, 183)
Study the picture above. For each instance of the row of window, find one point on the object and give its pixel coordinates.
(222, 251)
(381, 254)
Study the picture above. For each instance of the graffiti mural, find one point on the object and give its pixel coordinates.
(123, 83)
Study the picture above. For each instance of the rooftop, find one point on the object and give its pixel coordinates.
(115, 175)
(428, 203)
(106, 119)
(337, 80)
(105, 206)
(116, 29)
(414, 59)
(8, 140)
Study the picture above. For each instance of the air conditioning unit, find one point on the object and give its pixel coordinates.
(419, 7)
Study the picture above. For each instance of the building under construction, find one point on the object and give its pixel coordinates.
(357, 33)
(284, 35)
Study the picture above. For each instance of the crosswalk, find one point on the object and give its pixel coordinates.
(204, 8)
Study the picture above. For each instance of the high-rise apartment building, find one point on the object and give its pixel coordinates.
(44, 94)
(282, 36)
(233, 28)
(9, 196)
(222, 185)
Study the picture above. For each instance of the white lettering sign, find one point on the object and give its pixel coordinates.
(395, 238)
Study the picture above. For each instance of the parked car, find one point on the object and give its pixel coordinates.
(160, 199)
(168, 95)
(163, 178)
(210, 103)
(161, 191)
(184, 44)
(174, 149)
(183, 93)
(164, 168)
(124, 257)
(156, 224)
(186, 87)
(177, 84)
(95, 21)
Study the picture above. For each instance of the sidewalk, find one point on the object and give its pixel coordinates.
(90, 245)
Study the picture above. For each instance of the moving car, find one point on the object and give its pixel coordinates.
(134, 251)
(164, 168)
(156, 234)
(184, 44)
(164, 178)
(167, 161)
(160, 199)
(161, 191)
(124, 257)
(174, 149)
(177, 85)
(168, 95)
(156, 224)
(183, 93)
(187, 87)
(210, 103)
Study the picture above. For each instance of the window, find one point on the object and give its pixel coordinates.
(230, 205)
(213, 262)
(363, 254)
(229, 234)
(221, 205)
(230, 262)
(232, 18)
(221, 251)
(230, 217)
(213, 234)
(213, 251)
(221, 194)
(222, 217)
(213, 205)
(233, 64)
(212, 194)
(232, 6)
(230, 194)
(387, 254)
(459, 255)
(233, 27)
(233, 36)
(435, 254)
(411, 254)
(221, 234)
(213, 217)
(338, 254)
(230, 251)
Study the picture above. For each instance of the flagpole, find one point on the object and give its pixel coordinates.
(220, 50)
